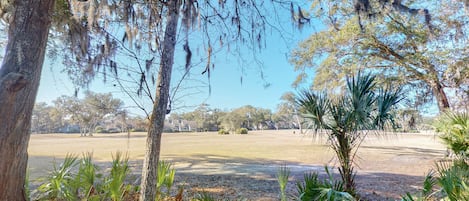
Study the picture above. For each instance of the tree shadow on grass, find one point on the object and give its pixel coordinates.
(258, 177)
(235, 178)
(402, 150)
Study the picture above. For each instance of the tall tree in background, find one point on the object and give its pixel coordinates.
(29, 23)
(401, 42)
(96, 106)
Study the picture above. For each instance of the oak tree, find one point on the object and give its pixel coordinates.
(393, 38)
(29, 22)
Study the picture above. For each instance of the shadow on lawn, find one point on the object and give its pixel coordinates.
(235, 178)
(403, 150)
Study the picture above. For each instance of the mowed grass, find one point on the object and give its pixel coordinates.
(257, 151)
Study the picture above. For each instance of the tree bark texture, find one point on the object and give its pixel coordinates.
(153, 143)
(19, 81)
(441, 98)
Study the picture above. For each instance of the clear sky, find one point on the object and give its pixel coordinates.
(227, 91)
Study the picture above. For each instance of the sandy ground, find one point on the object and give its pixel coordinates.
(244, 166)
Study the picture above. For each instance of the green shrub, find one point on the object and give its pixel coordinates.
(454, 129)
(67, 182)
(59, 184)
(223, 132)
(242, 131)
(449, 182)
(115, 181)
(328, 189)
(165, 178)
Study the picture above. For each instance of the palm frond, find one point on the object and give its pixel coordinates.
(386, 100)
(116, 180)
(315, 107)
(58, 185)
(361, 98)
(283, 173)
(454, 127)
(328, 189)
(453, 179)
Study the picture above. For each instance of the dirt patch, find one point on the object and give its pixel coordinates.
(244, 166)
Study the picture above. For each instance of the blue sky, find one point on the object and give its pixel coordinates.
(227, 91)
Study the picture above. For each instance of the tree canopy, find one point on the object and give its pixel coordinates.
(404, 47)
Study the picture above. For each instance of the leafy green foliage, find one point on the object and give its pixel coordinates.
(68, 183)
(450, 183)
(115, 182)
(328, 189)
(455, 132)
(454, 179)
(427, 192)
(397, 45)
(165, 178)
(283, 173)
(347, 118)
(87, 176)
(59, 184)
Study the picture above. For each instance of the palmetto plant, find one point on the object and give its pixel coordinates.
(454, 179)
(165, 178)
(427, 192)
(348, 118)
(455, 132)
(69, 182)
(115, 182)
(321, 190)
(86, 178)
(59, 184)
(283, 173)
(449, 182)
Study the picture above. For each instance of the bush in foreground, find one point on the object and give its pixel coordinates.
(450, 179)
(67, 183)
(321, 190)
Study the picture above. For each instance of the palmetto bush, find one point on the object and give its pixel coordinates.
(451, 178)
(165, 178)
(454, 129)
(348, 118)
(329, 189)
(454, 179)
(114, 183)
(449, 182)
(59, 184)
(78, 179)
(69, 182)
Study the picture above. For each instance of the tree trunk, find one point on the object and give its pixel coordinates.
(19, 81)
(441, 98)
(155, 130)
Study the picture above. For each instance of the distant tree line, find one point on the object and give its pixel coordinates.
(96, 112)
(204, 118)
(102, 113)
